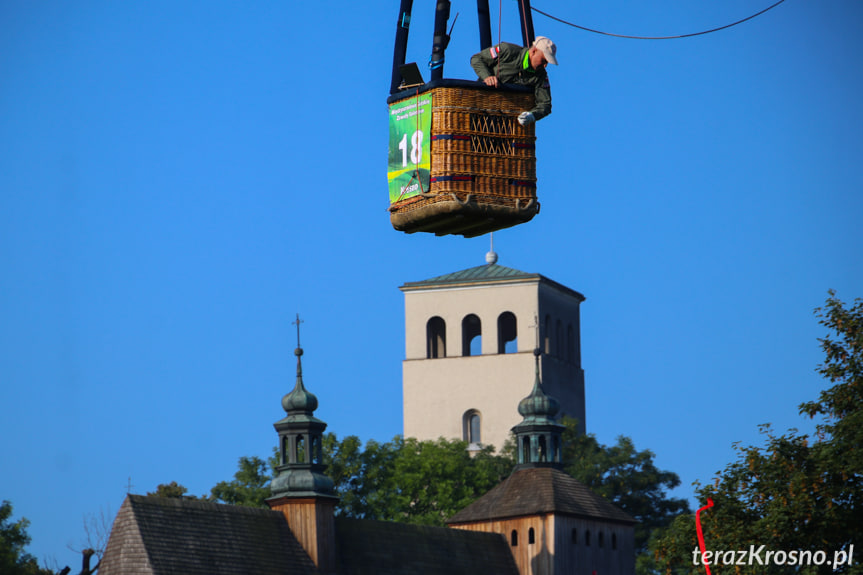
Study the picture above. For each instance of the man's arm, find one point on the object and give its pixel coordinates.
(542, 99)
(483, 62)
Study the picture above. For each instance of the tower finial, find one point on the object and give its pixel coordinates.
(297, 323)
(491, 257)
(299, 400)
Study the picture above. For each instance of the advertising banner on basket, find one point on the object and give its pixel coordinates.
(410, 147)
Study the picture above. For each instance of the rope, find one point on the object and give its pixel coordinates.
(547, 15)
(499, 16)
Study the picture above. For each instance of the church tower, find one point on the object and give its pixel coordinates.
(554, 524)
(469, 341)
(300, 490)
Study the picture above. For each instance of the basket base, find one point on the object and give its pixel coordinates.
(468, 219)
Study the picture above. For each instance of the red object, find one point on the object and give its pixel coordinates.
(700, 533)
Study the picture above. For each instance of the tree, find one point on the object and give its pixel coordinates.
(401, 480)
(250, 486)
(173, 490)
(627, 478)
(795, 493)
(14, 560)
(411, 481)
(97, 530)
(427, 482)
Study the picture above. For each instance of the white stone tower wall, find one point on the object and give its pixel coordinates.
(438, 392)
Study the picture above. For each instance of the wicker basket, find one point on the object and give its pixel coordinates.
(483, 165)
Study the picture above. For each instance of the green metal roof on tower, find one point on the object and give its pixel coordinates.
(300, 403)
(490, 273)
(482, 273)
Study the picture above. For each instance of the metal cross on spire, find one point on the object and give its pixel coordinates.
(297, 323)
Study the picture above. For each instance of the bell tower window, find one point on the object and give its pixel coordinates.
(435, 338)
(507, 333)
(471, 336)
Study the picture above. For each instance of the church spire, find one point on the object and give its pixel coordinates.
(300, 490)
(300, 472)
(538, 436)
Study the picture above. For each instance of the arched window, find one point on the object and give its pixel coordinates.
(435, 338)
(471, 336)
(300, 450)
(507, 333)
(570, 344)
(283, 450)
(525, 451)
(574, 536)
(543, 450)
(472, 428)
(614, 541)
(531, 536)
(513, 538)
(587, 537)
(601, 539)
(316, 450)
(546, 330)
(558, 341)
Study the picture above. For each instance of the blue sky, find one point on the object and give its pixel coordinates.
(178, 179)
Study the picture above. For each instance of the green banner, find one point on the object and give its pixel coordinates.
(410, 147)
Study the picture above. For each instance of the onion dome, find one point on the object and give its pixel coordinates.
(538, 407)
(301, 468)
(539, 438)
(300, 400)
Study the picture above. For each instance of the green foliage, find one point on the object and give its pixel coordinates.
(250, 486)
(173, 490)
(626, 477)
(402, 480)
(411, 481)
(13, 539)
(795, 492)
(842, 404)
(629, 479)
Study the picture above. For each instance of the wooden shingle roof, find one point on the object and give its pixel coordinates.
(160, 536)
(538, 490)
(385, 548)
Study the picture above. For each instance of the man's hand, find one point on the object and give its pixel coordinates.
(492, 81)
(526, 118)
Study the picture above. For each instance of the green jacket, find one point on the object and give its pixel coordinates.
(514, 69)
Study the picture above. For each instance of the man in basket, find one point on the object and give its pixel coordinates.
(512, 64)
